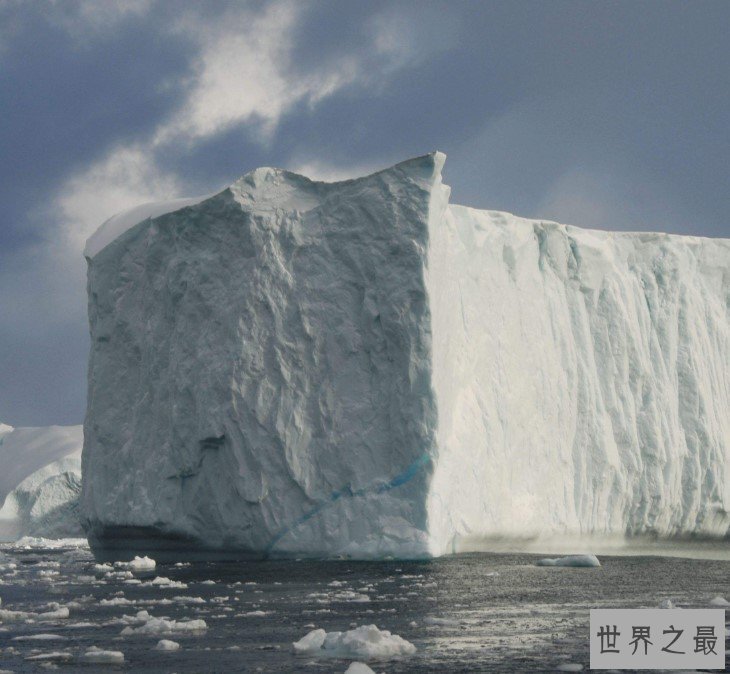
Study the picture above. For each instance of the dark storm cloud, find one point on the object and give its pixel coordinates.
(609, 115)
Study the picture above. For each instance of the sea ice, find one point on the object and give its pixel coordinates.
(167, 645)
(7, 615)
(366, 642)
(116, 601)
(153, 625)
(53, 655)
(719, 601)
(358, 668)
(443, 622)
(97, 656)
(570, 560)
(137, 564)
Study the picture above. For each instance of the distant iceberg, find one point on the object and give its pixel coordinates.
(40, 482)
(360, 368)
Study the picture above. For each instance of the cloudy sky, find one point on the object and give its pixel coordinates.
(605, 114)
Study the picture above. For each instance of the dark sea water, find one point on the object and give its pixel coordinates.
(467, 613)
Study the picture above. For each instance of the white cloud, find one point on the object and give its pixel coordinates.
(243, 73)
(126, 177)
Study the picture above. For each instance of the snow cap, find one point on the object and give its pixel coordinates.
(262, 185)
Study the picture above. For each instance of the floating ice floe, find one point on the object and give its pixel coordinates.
(358, 668)
(167, 645)
(720, 602)
(116, 601)
(667, 603)
(188, 600)
(53, 655)
(344, 595)
(151, 625)
(55, 612)
(443, 622)
(570, 560)
(137, 564)
(366, 642)
(161, 581)
(98, 656)
(60, 612)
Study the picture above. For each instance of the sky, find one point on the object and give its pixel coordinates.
(613, 115)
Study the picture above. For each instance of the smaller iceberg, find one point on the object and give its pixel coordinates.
(40, 482)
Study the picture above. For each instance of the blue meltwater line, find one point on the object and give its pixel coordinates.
(377, 488)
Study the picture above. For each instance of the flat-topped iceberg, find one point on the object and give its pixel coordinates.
(359, 368)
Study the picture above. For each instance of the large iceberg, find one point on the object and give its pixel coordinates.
(40, 481)
(359, 368)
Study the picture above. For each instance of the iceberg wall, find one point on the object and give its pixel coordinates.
(360, 368)
(259, 374)
(582, 381)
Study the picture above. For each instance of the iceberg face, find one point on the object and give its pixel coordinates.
(259, 375)
(360, 368)
(40, 481)
(582, 380)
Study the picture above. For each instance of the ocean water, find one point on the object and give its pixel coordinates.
(472, 612)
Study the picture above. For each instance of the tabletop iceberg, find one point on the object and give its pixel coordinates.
(360, 368)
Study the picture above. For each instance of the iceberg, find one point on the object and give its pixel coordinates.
(361, 368)
(40, 482)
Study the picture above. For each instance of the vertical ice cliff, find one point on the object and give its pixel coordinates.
(260, 368)
(359, 368)
(582, 381)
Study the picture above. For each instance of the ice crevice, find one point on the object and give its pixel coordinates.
(378, 487)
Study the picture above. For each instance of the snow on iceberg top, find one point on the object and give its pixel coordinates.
(115, 226)
(271, 188)
(265, 188)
